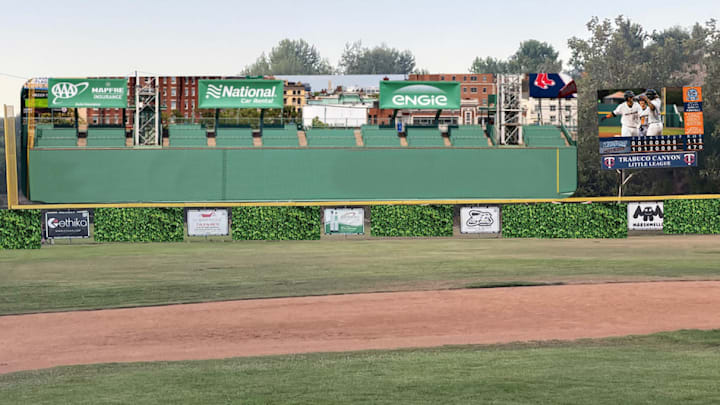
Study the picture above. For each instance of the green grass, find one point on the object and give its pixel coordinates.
(70, 277)
(666, 368)
(666, 131)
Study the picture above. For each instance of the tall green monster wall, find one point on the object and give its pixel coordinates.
(306, 174)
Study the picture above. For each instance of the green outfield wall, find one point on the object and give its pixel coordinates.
(299, 174)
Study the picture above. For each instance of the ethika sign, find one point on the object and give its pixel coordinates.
(419, 95)
(240, 93)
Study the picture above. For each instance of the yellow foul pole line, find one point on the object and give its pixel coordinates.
(10, 157)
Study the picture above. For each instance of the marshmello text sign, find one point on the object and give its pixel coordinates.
(480, 220)
(207, 222)
(645, 216)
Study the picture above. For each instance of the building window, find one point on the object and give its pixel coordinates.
(193, 91)
(442, 77)
(186, 105)
(567, 108)
(117, 120)
(473, 90)
(164, 92)
(464, 89)
(186, 91)
(192, 80)
(186, 115)
(173, 105)
(95, 120)
(464, 78)
(553, 107)
(453, 78)
(107, 120)
(484, 90)
(552, 118)
(164, 80)
(484, 78)
(173, 92)
(173, 80)
(473, 78)
(193, 104)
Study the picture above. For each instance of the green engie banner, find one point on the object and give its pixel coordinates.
(92, 93)
(420, 95)
(246, 93)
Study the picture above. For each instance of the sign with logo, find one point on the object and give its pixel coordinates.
(67, 224)
(645, 216)
(87, 93)
(551, 85)
(612, 145)
(344, 221)
(240, 93)
(213, 222)
(649, 160)
(419, 95)
(480, 219)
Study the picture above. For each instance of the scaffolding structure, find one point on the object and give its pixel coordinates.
(147, 111)
(509, 110)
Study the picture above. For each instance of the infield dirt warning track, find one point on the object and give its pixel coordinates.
(355, 322)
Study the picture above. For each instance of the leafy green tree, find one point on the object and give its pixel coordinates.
(532, 56)
(290, 57)
(357, 60)
(489, 65)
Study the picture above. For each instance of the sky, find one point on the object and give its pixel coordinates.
(93, 38)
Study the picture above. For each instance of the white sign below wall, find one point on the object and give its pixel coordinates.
(645, 216)
(480, 219)
(212, 222)
(344, 220)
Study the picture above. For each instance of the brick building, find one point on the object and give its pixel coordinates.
(178, 96)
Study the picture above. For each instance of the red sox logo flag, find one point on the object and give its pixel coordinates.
(689, 158)
(609, 161)
(551, 85)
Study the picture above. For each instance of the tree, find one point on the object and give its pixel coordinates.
(357, 60)
(489, 65)
(532, 56)
(290, 57)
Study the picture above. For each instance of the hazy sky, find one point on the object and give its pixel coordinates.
(88, 38)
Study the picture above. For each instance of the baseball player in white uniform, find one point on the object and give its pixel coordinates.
(644, 115)
(655, 125)
(629, 111)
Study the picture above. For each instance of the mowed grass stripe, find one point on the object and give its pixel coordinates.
(70, 277)
(665, 368)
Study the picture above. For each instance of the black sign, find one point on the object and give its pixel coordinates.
(67, 224)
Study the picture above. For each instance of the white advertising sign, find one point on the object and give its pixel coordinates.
(480, 219)
(344, 220)
(645, 216)
(212, 222)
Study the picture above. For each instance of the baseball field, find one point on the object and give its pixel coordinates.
(372, 321)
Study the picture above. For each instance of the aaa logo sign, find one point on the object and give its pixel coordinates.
(87, 93)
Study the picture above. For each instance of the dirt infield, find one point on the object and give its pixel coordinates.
(355, 322)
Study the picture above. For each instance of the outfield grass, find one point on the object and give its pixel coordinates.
(679, 367)
(666, 130)
(60, 278)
